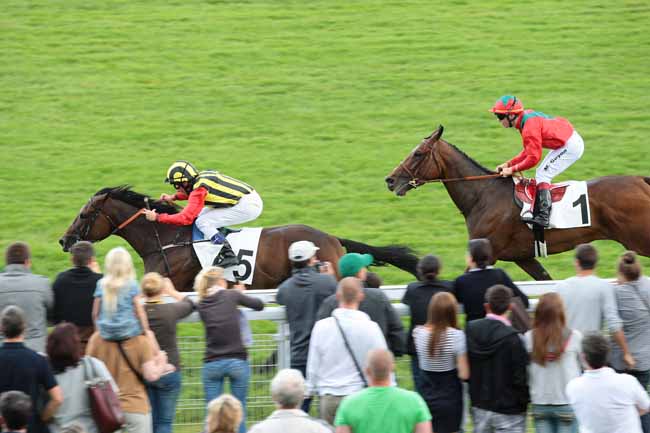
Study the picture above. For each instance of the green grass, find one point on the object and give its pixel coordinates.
(313, 103)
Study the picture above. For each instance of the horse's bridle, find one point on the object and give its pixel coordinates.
(415, 182)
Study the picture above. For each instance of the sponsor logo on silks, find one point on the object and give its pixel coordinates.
(546, 167)
(557, 157)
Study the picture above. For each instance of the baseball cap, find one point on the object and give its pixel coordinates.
(351, 263)
(302, 250)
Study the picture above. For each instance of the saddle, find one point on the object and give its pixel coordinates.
(525, 191)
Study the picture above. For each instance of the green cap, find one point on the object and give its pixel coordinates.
(351, 263)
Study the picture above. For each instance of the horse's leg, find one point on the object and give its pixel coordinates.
(534, 269)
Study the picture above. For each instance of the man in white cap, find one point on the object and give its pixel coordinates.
(302, 294)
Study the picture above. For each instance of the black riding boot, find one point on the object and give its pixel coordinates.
(226, 257)
(542, 213)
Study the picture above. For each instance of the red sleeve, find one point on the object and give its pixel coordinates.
(180, 196)
(517, 159)
(532, 153)
(195, 203)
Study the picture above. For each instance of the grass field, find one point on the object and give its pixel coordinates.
(313, 103)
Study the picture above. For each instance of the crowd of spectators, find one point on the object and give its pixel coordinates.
(584, 363)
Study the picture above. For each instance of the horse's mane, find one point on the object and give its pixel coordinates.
(470, 159)
(125, 194)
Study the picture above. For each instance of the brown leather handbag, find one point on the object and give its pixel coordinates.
(104, 403)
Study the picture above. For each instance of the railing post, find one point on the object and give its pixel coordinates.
(284, 348)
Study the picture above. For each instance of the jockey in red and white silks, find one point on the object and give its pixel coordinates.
(539, 131)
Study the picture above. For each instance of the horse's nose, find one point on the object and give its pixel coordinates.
(390, 182)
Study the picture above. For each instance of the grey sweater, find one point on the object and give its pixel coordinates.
(32, 293)
(635, 315)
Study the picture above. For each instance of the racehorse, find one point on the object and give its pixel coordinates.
(619, 205)
(168, 249)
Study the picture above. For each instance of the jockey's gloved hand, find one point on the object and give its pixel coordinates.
(218, 238)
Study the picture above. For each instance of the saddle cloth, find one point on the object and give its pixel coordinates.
(570, 202)
(244, 243)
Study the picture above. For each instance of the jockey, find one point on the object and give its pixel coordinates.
(214, 201)
(538, 130)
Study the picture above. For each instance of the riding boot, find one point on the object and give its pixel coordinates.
(226, 257)
(542, 213)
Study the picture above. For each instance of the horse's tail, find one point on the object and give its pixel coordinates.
(397, 255)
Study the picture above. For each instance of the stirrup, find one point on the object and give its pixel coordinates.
(227, 230)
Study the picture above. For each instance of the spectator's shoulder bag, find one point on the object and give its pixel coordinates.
(128, 362)
(347, 346)
(104, 404)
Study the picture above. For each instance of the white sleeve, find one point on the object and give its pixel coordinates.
(313, 361)
(640, 395)
(461, 343)
(102, 371)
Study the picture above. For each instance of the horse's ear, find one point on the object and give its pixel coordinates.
(435, 136)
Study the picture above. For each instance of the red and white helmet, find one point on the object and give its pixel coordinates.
(507, 104)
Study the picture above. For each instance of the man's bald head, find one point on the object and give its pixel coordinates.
(349, 291)
(379, 365)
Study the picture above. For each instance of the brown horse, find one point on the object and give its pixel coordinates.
(167, 249)
(619, 205)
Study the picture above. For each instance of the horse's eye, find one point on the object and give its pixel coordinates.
(83, 216)
(418, 154)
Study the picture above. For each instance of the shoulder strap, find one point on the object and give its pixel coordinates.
(128, 362)
(89, 370)
(638, 293)
(347, 346)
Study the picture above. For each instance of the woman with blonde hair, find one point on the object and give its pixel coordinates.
(554, 350)
(442, 355)
(225, 415)
(633, 301)
(225, 354)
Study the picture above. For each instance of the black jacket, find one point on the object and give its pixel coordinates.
(417, 297)
(497, 363)
(73, 296)
(470, 289)
(302, 295)
(376, 305)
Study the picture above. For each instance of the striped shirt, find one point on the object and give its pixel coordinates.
(223, 191)
(452, 344)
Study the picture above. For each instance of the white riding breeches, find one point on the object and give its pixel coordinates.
(560, 159)
(247, 209)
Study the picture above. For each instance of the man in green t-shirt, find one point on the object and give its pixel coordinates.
(382, 407)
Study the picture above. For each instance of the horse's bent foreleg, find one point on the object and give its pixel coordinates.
(534, 269)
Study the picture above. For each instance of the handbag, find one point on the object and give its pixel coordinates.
(104, 403)
(347, 346)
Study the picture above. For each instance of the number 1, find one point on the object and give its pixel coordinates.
(582, 201)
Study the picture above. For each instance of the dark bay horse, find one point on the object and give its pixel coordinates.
(109, 208)
(619, 205)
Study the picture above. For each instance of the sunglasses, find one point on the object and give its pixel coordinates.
(500, 116)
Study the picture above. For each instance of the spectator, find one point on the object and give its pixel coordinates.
(633, 302)
(302, 295)
(418, 296)
(497, 362)
(382, 407)
(162, 317)
(30, 292)
(225, 354)
(373, 280)
(442, 353)
(74, 289)
(590, 302)
(71, 372)
(471, 287)
(131, 362)
(287, 391)
(22, 369)
(554, 350)
(338, 348)
(225, 415)
(603, 400)
(15, 410)
(374, 303)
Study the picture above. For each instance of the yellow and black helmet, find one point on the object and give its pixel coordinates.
(181, 171)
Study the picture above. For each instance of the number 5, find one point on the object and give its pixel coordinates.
(248, 266)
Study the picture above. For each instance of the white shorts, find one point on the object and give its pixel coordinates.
(560, 159)
(211, 219)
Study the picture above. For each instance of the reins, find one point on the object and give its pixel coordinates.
(414, 182)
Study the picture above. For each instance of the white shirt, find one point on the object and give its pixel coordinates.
(330, 369)
(290, 421)
(606, 402)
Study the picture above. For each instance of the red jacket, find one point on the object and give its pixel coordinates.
(195, 203)
(539, 131)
